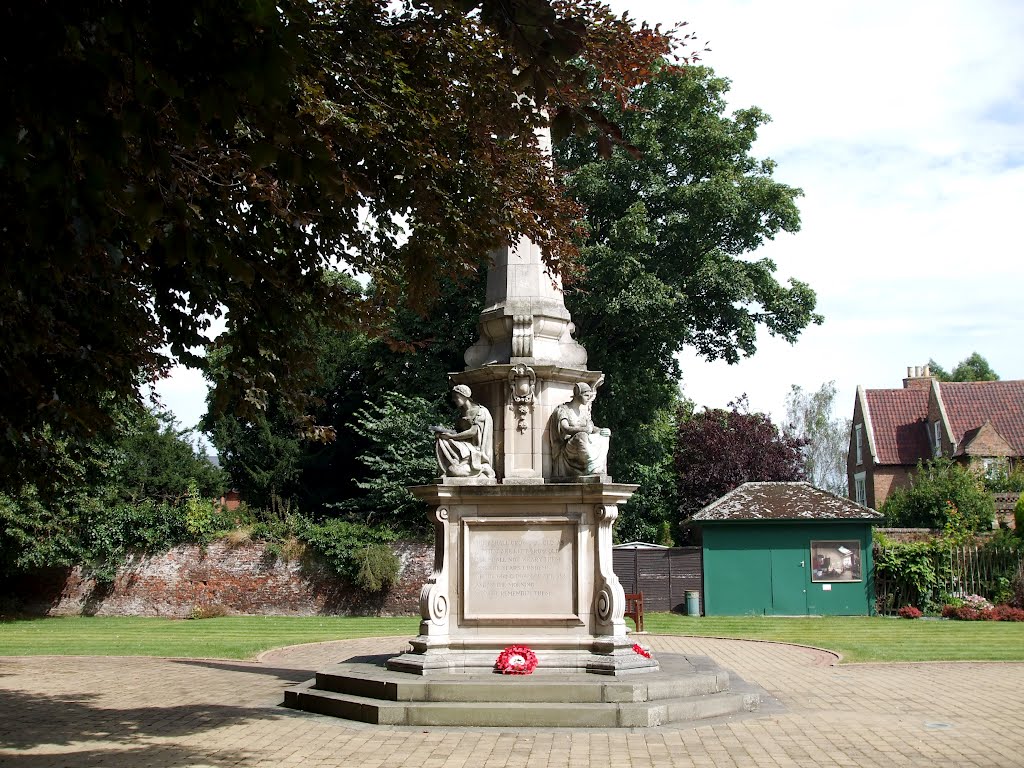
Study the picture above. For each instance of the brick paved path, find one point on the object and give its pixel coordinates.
(138, 712)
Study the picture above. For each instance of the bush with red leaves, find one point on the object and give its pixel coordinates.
(909, 612)
(1007, 613)
(966, 613)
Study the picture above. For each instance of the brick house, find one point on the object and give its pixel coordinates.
(976, 422)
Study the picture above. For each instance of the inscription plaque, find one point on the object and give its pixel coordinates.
(517, 572)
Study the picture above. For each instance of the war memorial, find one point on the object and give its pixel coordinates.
(523, 512)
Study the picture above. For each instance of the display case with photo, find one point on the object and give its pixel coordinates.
(836, 561)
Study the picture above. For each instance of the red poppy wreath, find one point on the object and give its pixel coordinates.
(637, 648)
(516, 660)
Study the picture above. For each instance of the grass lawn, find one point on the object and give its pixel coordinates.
(233, 637)
(862, 638)
(242, 637)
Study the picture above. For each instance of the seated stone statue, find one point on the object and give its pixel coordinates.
(467, 450)
(578, 446)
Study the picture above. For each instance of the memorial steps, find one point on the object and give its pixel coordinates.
(684, 689)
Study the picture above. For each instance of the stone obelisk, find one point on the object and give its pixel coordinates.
(523, 547)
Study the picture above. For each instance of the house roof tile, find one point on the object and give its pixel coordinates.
(783, 501)
(899, 421)
(969, 404)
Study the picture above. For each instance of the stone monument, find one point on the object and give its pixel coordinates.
(523, 511)
(523, 518)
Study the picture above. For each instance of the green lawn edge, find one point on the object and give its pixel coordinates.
(856, 639)
(861, 638)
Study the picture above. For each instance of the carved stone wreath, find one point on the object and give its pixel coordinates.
(522, 384)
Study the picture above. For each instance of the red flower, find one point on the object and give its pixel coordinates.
(516, 660)
(641, 650)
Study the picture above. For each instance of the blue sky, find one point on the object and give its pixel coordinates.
(903, 122)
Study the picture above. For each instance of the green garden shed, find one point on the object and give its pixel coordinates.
(787, 549)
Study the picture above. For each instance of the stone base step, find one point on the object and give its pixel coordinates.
(518, 714)
(365, 691)
(492, 687)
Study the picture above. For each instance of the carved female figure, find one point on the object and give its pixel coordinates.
(578, 446)
(467, 450)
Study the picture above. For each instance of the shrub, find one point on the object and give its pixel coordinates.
(911, 568)
(910, 612)
(940, 489)
(1007, 613)
(111, 531)
(977, 603)
(238, 537)
(378, 568)
(207, 611)
(967, 612)
(343, 546)
(202, 516)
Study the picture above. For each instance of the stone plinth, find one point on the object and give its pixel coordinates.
(524, 564)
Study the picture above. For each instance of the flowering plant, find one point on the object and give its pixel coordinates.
(516, 660)
(637, 648)
(978, 603)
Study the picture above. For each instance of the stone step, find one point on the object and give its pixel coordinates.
(511, 714)
(684, 689)
(534, 689)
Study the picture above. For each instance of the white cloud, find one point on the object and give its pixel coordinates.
(902, 122)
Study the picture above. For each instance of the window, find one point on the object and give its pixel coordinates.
(836, 561)
(938, 438)
(858, 432)
(860, 489)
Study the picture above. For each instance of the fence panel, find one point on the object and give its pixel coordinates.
(663, 575)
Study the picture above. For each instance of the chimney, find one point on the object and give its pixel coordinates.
(918, 377)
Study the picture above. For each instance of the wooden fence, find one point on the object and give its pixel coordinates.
(663, 575)
(958, 571)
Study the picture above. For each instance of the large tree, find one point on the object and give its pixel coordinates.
(269, 453)
(809, 416)
(974, 367)
(162, 163)
(666, 260)
(130, 491)
(670, 228)
(718, 450)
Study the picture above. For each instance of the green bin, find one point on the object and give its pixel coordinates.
(692, 602)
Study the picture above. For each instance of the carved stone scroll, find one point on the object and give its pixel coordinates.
(610, 600)
(434, 594)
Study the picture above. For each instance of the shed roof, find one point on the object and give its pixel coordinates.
(783, 501)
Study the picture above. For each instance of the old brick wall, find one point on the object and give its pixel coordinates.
(246, 579)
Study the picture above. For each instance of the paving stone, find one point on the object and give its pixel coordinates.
(131, 712)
